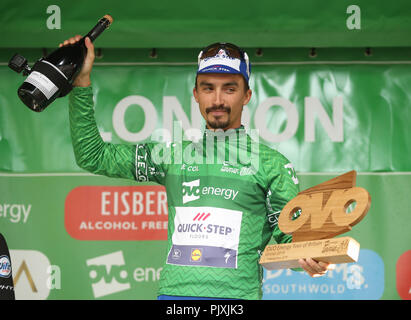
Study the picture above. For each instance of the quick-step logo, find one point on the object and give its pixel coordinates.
(205, 236)
(200, 228)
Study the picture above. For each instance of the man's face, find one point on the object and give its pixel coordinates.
(221, 98)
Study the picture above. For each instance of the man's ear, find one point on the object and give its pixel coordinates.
(195, 94)
(247, 97)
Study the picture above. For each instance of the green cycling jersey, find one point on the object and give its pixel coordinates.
(224, 195)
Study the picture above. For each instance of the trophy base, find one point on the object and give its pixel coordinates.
(334, 250)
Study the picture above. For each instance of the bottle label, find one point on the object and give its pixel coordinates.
(44, 84)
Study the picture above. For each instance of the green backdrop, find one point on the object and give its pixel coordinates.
(190, 24)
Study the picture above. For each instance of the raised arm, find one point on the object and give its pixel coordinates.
(91, 152)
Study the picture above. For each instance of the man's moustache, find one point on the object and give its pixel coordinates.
(218, 108)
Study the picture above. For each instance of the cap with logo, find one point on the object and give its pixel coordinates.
(224, 57)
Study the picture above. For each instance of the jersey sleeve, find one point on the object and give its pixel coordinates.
(147, 168)
(283, 186)
(95, 155)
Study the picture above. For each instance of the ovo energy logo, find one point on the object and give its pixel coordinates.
(191, 191)
(108, 274)
(326, 204)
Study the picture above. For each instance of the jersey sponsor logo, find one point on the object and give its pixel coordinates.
(196, 255)
(205, 236)
(192, 191)
(141, 163)
(272, 218)
(176, 254)
(144, 169)
(203, 228)
(201, 216)
(291, 172)
(237, 169)
(189, 168)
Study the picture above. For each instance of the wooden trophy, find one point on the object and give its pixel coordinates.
(323, 215)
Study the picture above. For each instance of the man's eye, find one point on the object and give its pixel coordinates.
(230, 90)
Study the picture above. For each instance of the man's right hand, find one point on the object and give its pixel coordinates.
(83, 78)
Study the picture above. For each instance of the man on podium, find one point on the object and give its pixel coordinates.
(221, 214)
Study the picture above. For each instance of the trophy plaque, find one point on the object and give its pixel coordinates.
(323, 215)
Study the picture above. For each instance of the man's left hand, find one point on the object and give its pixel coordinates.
(314, 268)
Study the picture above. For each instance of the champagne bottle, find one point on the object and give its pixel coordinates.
(52, 77)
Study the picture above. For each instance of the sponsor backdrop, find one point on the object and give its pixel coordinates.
(74, 235)
(77, 235)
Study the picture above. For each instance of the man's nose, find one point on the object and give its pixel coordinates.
(218, 98)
